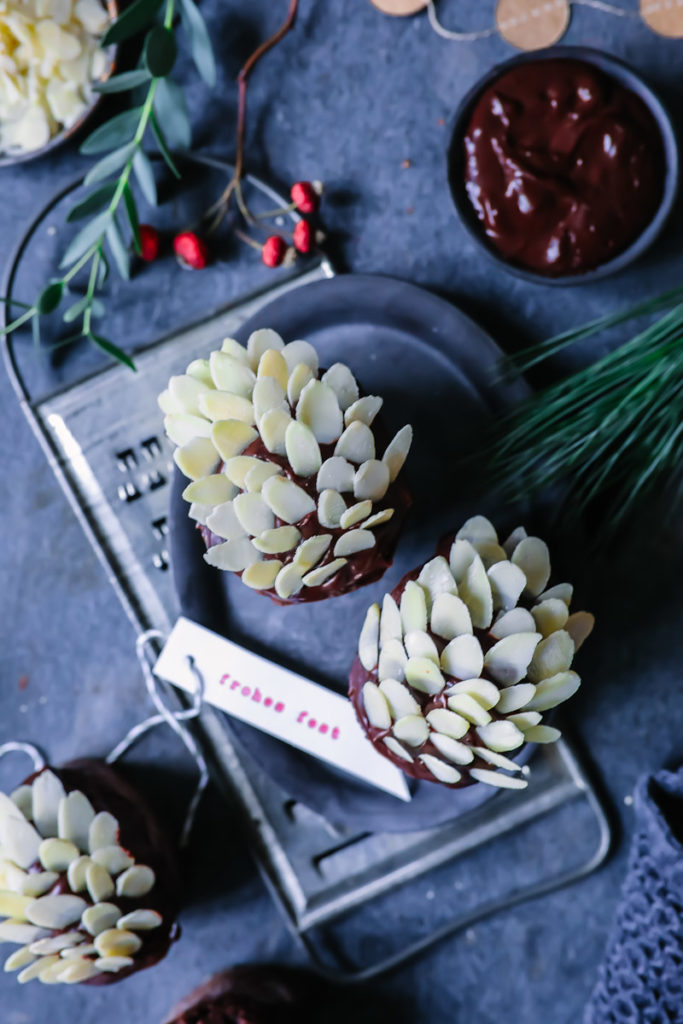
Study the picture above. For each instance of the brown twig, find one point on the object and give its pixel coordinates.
(220, 207)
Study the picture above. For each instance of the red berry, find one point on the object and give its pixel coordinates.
(149, 242)
(306, 196)
(191, 250)
(303, 236)
(274, 251)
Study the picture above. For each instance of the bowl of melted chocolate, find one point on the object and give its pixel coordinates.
(564, 165)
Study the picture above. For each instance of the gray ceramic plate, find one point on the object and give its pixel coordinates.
(435, 369)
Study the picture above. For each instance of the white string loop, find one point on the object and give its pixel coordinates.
(175, 719)
(15, 747)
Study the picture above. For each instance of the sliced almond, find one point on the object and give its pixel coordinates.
(465, 705)
(450, 616)
(298, 379)
(233, 555)
(364, 409)
(580, 626)
(542, 734)
(267, 395)
(424, 675)
(317, 577)
(554, 690)
(553, 655)
(77, 972)
(288, 501)
(355, 514)
(56, 943)
(319, 409)
(390, 626)
(104, 831)
(300, 352)
(343, 383)
(392, 660)
(507, 583)
(274, 542)
(491, 778)
(223, 522)
(210, 490)
(514, 697)
(462, 658)
(8, 808)
(526, 720)
(232, 348)
(517, 620)
(112, 964)
(475, 591)
(100, 918)
(182, 427)
(186, 391)
(303, 451)
(533, 558)
(36, 968)
(461, 556)
(199, 513)
(400, 699)
(397, 451)
(352, 542)
(22, 797)
(135, 882)
(220, 405)
(357, 444)
(20, 840)
(376, 706)
(262, 575)
(253, 514)
(497, 759)
(237, 469)
(458, 753)
(77, 873)
(117, 942)
(231, 375)
(413, 608)
(517, 535)
(39, 882)
(273, 365)
(258, 474)
(13, 878)
(371, 480)
(448, 722)
(440, 770)
(564, 591)
(57, 854)
(501, 736)
(490, 553)
(420, 645)
(368, 641)
(509, 659)
(21, 933)
(483, 691)
(200, 370)
(437, 578)
(260, 341)
(168, 404)
(113, 859)
(13, 904)
(397, 748)
(378, 519)
(550, 615)
(74, 952)
(140, 921)
(56, 911)
(289, 581)
(47, 792)
(312, 550)
(19, 959)
(411, 729)
(336, 474)
(231, 437)
(196, 459)
(477, 529)
(331, 508)
(273, 426)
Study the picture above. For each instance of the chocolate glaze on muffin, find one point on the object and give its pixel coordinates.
(89, 880)
(287, 487)
(465, 654)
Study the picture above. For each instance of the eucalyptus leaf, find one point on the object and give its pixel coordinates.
(160, 51)
(123, 82)
(93, 202)
(200, 43)
(86, 238)
(103, 168)
(132, 213)
(113, 133)
(49, 298)
(171, 110)
(103, 269)
(97, 308)
(73, 312)
(144, 173)
(118, 249)
(136, 17)
(113, 350)
(163, 148)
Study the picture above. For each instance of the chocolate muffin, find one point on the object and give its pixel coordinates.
(249, 994)
(287, 487)
(88, 881)
(466, 653)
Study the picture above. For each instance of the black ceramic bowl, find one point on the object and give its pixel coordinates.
(628, 79)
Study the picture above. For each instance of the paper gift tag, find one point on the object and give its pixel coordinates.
(277, 701)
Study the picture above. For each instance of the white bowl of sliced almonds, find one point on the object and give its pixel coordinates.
(50, 60)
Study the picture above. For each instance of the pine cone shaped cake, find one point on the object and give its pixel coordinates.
(457, 667)
(287, 484)
(87, 881)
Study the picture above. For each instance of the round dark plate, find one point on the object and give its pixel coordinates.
(435, 369)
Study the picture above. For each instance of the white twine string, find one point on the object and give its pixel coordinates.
(485, 33)
(175, 719)
(15, 747)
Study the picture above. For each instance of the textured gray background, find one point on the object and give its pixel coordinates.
(348, 98)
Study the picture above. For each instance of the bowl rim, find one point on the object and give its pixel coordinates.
(626, 76)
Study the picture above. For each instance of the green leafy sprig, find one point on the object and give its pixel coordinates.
(110, 206)
(613, 429)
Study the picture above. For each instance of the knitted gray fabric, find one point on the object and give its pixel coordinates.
(641, 978)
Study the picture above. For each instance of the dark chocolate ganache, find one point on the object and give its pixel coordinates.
(564, 166)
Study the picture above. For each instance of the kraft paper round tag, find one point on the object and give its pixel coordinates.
(532, 24)
(400, 8)
(663, 16)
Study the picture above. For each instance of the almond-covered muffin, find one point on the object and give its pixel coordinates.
(293, 484)
(457, 667)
